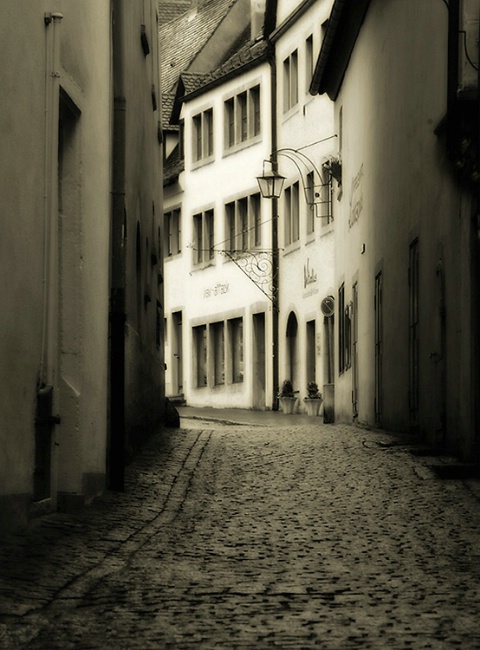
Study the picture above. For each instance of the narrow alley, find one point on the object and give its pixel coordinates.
(284, 533)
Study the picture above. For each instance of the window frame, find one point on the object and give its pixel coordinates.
(242, 118)
(173, 232)
(203, 136)
(290, 81)
(291, 202)
(203, 237)
(243, 223)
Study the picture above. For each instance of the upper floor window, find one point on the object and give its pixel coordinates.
(243, 223)
(202, 135)
(308, 61)
(310, 196)
(173, 228)
(181, 143)
(290, 81)
(242, 117)
(203, 233)
(292, 214)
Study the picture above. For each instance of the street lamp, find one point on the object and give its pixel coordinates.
(316, 184)
(270, 183)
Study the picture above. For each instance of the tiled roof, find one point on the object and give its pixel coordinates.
(248, 55)
(169, 10)
(183, 38)
(172, 168)
(167, 107)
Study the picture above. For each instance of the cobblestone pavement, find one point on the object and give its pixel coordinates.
(241, 536)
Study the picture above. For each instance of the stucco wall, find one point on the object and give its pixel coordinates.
(397, 186)
(220, 290)
(75, 360)
(307, 266)
(144, 369)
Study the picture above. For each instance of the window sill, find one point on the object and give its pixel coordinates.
(239, 146)
(291, 248)
(203, 265)
(290, 112)
(201, 163)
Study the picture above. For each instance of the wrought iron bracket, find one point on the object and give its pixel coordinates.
(258, 266)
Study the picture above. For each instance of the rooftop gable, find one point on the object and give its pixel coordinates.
(343, 27)
(184, 39)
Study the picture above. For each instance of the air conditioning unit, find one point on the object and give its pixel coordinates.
(468, 37)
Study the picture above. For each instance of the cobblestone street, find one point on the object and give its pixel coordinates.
(284, 534)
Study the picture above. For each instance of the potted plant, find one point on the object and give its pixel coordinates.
(314, 399)
(287, 397)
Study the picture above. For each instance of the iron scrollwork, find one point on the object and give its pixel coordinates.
(258, 267)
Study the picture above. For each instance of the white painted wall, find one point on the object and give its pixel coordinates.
(220, 290)
(396, 173)
(309, 128)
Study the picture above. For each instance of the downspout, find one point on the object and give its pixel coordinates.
(117, 314)
(452, 74)
(48, 358)
(275, 251)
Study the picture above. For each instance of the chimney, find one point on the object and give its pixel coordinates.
(258, 16)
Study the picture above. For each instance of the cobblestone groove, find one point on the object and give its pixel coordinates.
(315, 536)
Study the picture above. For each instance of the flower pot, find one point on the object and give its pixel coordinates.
(287, 404)
(312, 405)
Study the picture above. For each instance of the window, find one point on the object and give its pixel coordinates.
(235, 329)
(173, 231)
(203, 135)
(254, 110)
(311, 351)
(181, 140)
(310, 192)
(218, 344)
(200, 354)
(242, 117)
(378, 348)
(256, 218)
(290, 81)
(243, 223)
(355, 383)
(308, 61)
(292, 212)
(203, 236)
(198, 238)
(341, 329)
(326, 191)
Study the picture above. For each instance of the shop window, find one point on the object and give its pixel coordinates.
(218, 344)
(235, 329)
(200, 355)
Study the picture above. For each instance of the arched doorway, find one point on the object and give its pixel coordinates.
(291, 333)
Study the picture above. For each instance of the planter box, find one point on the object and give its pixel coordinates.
(287, 404)
(312, 405)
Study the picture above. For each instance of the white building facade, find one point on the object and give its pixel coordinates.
(219, 309)
(305, 143)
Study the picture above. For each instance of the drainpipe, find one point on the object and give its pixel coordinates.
(117, 314)
(49, 351)
(275, 252)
